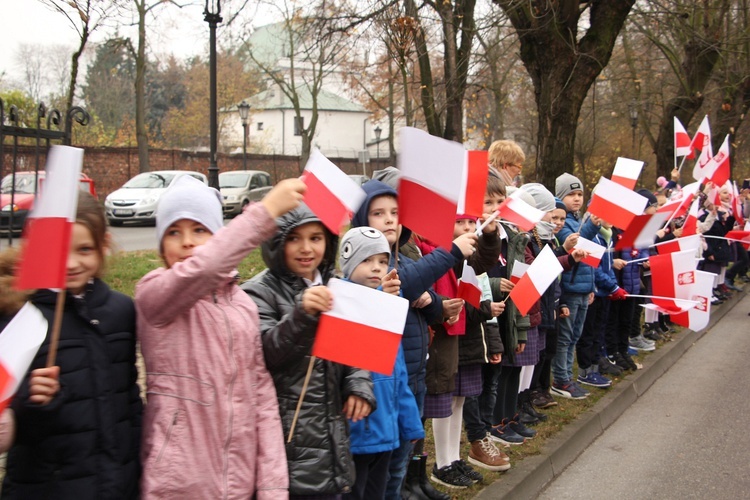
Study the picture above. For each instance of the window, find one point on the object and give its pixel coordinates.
(299, 124)
(260, 125)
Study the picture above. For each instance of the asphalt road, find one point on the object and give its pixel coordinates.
(687, 437)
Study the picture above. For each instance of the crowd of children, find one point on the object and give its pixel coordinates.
(227, 366)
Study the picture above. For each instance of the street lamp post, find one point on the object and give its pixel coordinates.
(377, 131)
(633, 111)
(244, 109)
(212, 17)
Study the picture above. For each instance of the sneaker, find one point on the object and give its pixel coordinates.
(629, 361)
(485, 454)
(593, 379)
(653, 335)
(641, 344)
(568, 390)
(725, 289)
(632, 351)
(450, 477)
(542, 399)
(505, 435)
(716, 300)
(620, 362)
(730, 284)
(529, 408)
(468, 471)
(609, 367)
(525, 417)
(520, 429)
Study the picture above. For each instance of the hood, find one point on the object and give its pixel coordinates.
(272, 250)
(373, 189)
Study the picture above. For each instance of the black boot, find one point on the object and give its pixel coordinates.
(412, 489)
(427, 489)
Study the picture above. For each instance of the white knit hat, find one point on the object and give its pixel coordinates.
(189, 198)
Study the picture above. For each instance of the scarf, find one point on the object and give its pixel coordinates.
(446, 286)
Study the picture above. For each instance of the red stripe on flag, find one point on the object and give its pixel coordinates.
(469, 293)
(355, 344)
(668, 247)
(624, 181)
(6, 381)
(476, 182)
(323, 203)
(592, 260)
(426, 213)
(662, 277)
(611, 212)
(524, 295)
(44, 256)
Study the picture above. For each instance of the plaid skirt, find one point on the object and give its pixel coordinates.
(468, 384)
(530, 354)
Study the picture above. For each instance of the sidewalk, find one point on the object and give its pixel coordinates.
(529, 477)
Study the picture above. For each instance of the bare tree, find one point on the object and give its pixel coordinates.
(30, 58)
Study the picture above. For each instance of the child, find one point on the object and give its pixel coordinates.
(290, 295)
(78, 423)
(363, 259)
(211, 426)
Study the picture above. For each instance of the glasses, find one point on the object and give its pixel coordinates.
(514, 165)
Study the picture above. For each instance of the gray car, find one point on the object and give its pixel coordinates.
(240, 187)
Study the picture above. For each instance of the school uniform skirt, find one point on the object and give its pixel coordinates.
(468, 384)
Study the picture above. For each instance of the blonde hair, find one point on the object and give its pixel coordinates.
(505, 152)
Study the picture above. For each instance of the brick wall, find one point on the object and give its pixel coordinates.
(112, 167)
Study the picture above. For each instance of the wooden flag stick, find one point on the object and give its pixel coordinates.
(56, 325)
(301, 398)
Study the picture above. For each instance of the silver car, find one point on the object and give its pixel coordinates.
(240, 187)
(136, 200)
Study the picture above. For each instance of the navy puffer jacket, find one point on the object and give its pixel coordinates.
(580, 279)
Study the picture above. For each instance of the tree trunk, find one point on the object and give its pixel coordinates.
(74, 68)
(562, 68)
(141, 134)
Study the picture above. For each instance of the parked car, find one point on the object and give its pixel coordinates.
(240, 187)
(359, 179)
(19, 204)
(136, 200)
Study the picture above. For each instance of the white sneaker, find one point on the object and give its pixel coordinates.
(641, 343)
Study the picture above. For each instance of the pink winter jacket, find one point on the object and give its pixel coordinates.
(211, 427)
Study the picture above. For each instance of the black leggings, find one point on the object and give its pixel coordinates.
(507, 393)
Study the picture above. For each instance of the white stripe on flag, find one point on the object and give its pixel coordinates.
(19, 343)
(432, 162)
(341, 185)
(360, 304)
(61, 182)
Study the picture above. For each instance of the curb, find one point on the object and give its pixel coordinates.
(530, 476)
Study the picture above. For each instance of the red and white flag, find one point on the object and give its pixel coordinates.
(681, 140)
(626, 172)
(685, 243)
(678, 205)
(672, 276)
(356, 332)
(702, 139)
(739, 216)
(741, 236)
(595, 251)
(468, 286)
(44, 254)
(717, 170)
(19, 343)
(518, 270)
(696, 318)
(474, 184)
(331, 194)
(690, 226)
(543, 271)
(616, 204)
(430, 186)
(642, 231)
(520, 213)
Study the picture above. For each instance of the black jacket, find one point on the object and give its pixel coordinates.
(85, 443)
(319, 458)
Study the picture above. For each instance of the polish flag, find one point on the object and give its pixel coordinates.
(520, 213)
(737, 204)
(642, 231)
(685, 243)
(430, 185)
(474, 183)
(595, 251)
(626, 172)
(673, 276)
(717, 170)
(681, 140)
(331, 194)
(678, 205)
(19, 343)
(702, 140)
(690, 227)
(742, 236)
(356, 332)
(543, 271)
(468, 286)
(616, 204)
(44, 254)
(696, 318)
(519, 269)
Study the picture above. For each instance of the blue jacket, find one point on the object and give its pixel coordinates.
(397, 417)
(580, 279)
(604, 275)
(416, 278)
(629, 277)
